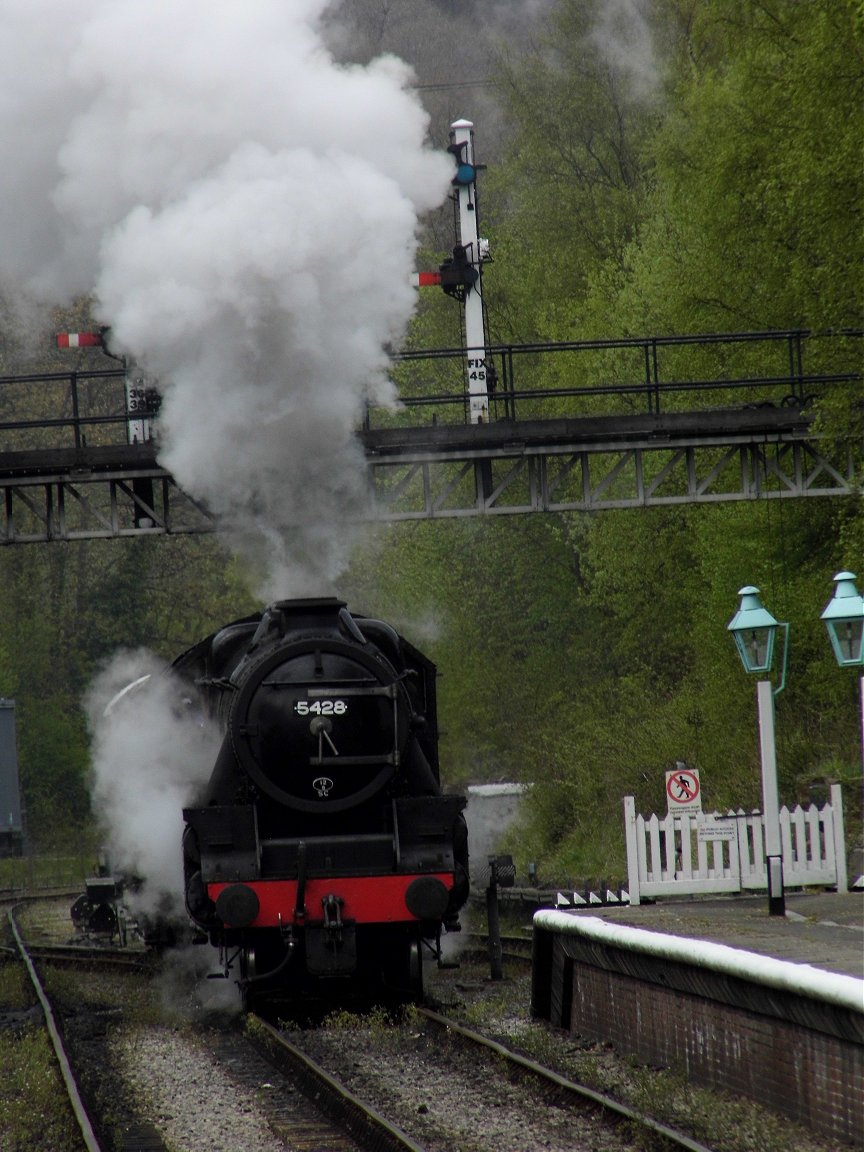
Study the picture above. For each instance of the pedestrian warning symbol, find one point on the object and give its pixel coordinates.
(683, 791)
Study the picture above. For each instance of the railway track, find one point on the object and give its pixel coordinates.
(445, 1086)
(117, 959)
(559, 1088)
(339, 1119)
(302, 1107)
(365, 1124)
(76, 1103)
(515, 950)
(429, 1083)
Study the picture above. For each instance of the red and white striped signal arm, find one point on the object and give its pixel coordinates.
(80, 340)
(425, 279)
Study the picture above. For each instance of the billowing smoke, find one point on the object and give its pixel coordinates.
(243, 212)
(151, 751)
(622, 34)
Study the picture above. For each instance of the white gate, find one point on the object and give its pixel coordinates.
(669, 858)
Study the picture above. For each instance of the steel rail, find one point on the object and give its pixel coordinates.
(77, 1104)
(619, 1111)
(108, 957)
(362, 1122)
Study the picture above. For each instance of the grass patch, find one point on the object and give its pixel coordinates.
(131, 996)
(33, 1108)
(16, 991)
(32, 872)
(378, 1021)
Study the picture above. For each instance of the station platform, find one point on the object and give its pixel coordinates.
(823, 929)
(770, 1007)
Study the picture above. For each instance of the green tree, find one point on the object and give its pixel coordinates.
(581, 104)
(754, 218)
(742, 212)
(66, 609)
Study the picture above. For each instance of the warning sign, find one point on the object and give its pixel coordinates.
(711, 829)
(683, 792)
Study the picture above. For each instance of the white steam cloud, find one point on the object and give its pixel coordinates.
(623, 35)
(150, 755)
(243, 211)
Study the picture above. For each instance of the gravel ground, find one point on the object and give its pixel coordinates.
(449, 1101)
(717, 1119)
(188, 1096)
(196, 1102)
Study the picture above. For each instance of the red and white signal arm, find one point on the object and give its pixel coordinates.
(683, 791)
(425, 279)
(80, 340)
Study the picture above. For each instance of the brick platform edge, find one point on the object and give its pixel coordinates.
(787, 1035)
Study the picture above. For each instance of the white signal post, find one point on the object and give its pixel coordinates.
(462, 145)
(139, 398)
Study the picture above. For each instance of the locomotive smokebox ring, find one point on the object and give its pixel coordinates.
(426, 898)
(237, 905)
(263, 718)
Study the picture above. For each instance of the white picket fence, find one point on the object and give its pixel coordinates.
(667, 857)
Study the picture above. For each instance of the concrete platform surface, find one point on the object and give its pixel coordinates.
(823, 929)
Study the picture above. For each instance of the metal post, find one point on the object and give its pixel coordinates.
(770, 800)
(462, 135)
(76, 414)
(493, 923)
(138, 428)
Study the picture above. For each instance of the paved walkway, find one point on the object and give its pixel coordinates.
(824, 929)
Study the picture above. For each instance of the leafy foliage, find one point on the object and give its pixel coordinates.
(671, 168)
(715, 187)
(67, 609)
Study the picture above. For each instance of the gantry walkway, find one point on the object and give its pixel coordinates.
(599, 436)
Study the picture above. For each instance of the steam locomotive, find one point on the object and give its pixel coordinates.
(322, 851)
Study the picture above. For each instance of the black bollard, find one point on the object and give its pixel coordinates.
(501, 874)
(493, 922)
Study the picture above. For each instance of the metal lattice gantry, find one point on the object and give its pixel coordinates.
(453, 471)
(590, 465)
(77, 461)
(94, 494)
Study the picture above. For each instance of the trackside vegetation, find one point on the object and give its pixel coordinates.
(695, 169)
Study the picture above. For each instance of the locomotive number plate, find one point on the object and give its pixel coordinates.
(320, 707)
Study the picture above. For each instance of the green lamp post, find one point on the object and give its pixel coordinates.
(754, 630)
(844, 620)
